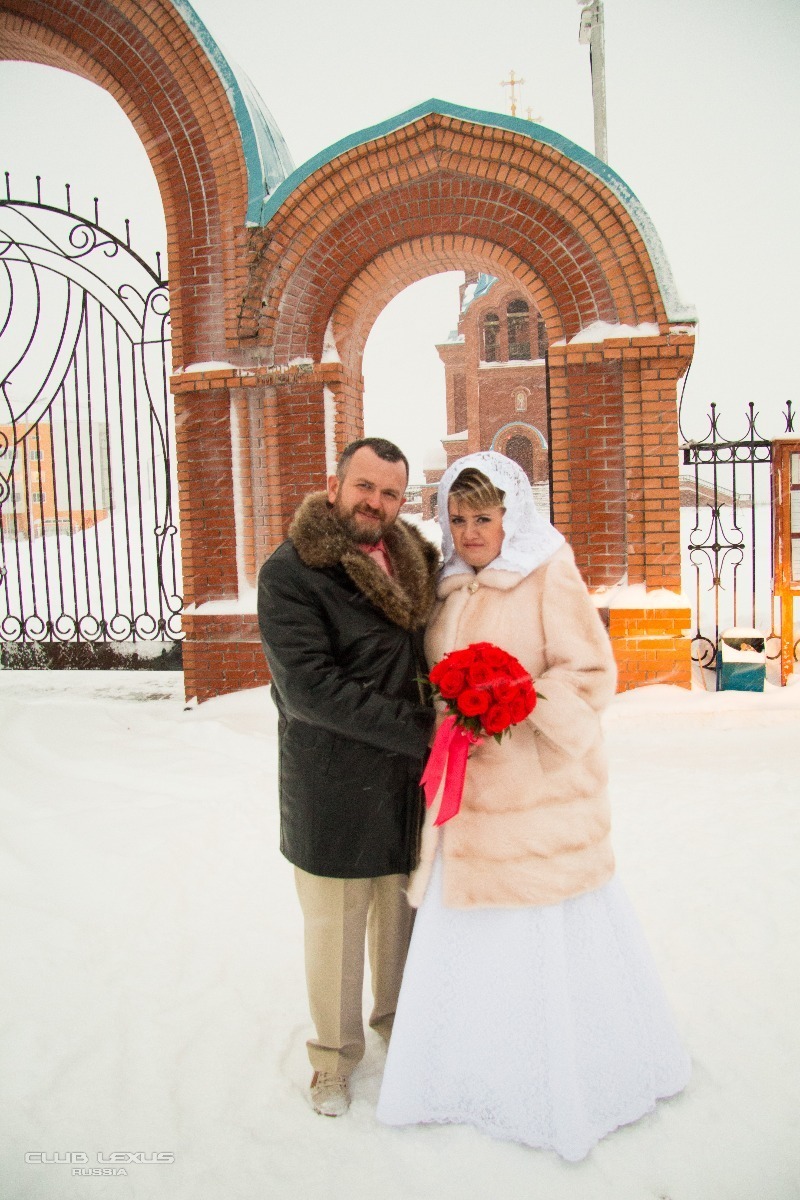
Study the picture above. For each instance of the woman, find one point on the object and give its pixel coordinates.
(530, 1005)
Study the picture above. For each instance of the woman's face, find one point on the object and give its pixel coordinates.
(477, 532)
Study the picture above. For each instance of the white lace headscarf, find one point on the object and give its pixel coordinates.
(529, 538)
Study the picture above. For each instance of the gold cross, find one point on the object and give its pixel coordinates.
(512, 83)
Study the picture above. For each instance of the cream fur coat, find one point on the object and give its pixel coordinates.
(534, 821)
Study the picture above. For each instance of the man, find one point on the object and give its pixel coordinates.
(341, 606)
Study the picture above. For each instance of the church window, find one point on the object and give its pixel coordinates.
(491, 336)
(521, 400)
(519, 334)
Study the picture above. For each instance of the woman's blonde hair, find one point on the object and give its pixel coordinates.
(476, 490)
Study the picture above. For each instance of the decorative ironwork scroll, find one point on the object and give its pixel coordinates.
(89, 548)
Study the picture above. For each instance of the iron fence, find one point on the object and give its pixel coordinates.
(727, 532)
(89, 547)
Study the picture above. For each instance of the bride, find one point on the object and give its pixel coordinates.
(530, 1005)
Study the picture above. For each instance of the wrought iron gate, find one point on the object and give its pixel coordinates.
(727, 533)
(89, 548)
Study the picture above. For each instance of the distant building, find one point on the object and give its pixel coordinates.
(496, 388)
(60, 478)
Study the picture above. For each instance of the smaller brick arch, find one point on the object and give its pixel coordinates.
(515, 429)
(466, 177)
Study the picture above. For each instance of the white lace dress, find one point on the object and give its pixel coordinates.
(546, 1025)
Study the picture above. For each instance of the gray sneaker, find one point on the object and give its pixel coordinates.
(330, 1094)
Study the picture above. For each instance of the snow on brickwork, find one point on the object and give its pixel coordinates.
(600, 331)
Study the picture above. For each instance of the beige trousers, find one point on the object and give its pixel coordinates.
(340, 914)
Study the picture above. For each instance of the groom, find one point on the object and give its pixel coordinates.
(341, 607)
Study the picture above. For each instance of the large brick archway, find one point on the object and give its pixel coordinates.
(441, 188)
(284, 280)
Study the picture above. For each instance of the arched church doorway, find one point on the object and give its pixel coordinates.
(519, 449)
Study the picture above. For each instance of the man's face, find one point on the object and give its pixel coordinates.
(370, 496)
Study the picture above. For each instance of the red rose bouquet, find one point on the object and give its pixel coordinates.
(486, 692)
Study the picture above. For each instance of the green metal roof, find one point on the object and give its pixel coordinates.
(266, 154)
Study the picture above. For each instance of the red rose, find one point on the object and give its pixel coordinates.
(471, 702)
(479, 674)
(503, 689)
(476, 649)
(519, 709)
(451, 682)
(437, 671)
(484, 687)
(497, 719)
(496, 657)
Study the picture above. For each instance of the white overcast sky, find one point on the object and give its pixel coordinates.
(703, 119)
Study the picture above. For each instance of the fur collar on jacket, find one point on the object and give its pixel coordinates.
(494, 577)
(406, 597)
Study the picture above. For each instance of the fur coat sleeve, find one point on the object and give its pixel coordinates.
(580, 675)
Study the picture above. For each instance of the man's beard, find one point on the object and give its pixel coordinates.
(366, 534)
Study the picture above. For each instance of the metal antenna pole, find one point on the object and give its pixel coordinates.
(592, 33)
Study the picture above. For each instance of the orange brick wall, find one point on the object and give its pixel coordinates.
(651, 646)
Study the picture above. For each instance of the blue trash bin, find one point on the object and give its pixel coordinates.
(741, 660)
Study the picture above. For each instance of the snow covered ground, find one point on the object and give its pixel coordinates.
(154, 999)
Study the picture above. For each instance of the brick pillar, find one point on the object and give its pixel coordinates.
(250, 447)
(348, 401)
(588, 469)
(473, 348)
(613, 410)
(208, 533)
(205, 487)
(651, 368)
(295, 434)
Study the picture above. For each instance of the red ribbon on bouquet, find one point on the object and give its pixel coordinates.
(448, 759)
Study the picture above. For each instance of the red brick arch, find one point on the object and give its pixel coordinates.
(556, 227)
(150, 61)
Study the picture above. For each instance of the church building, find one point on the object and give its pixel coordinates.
(496, 387)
